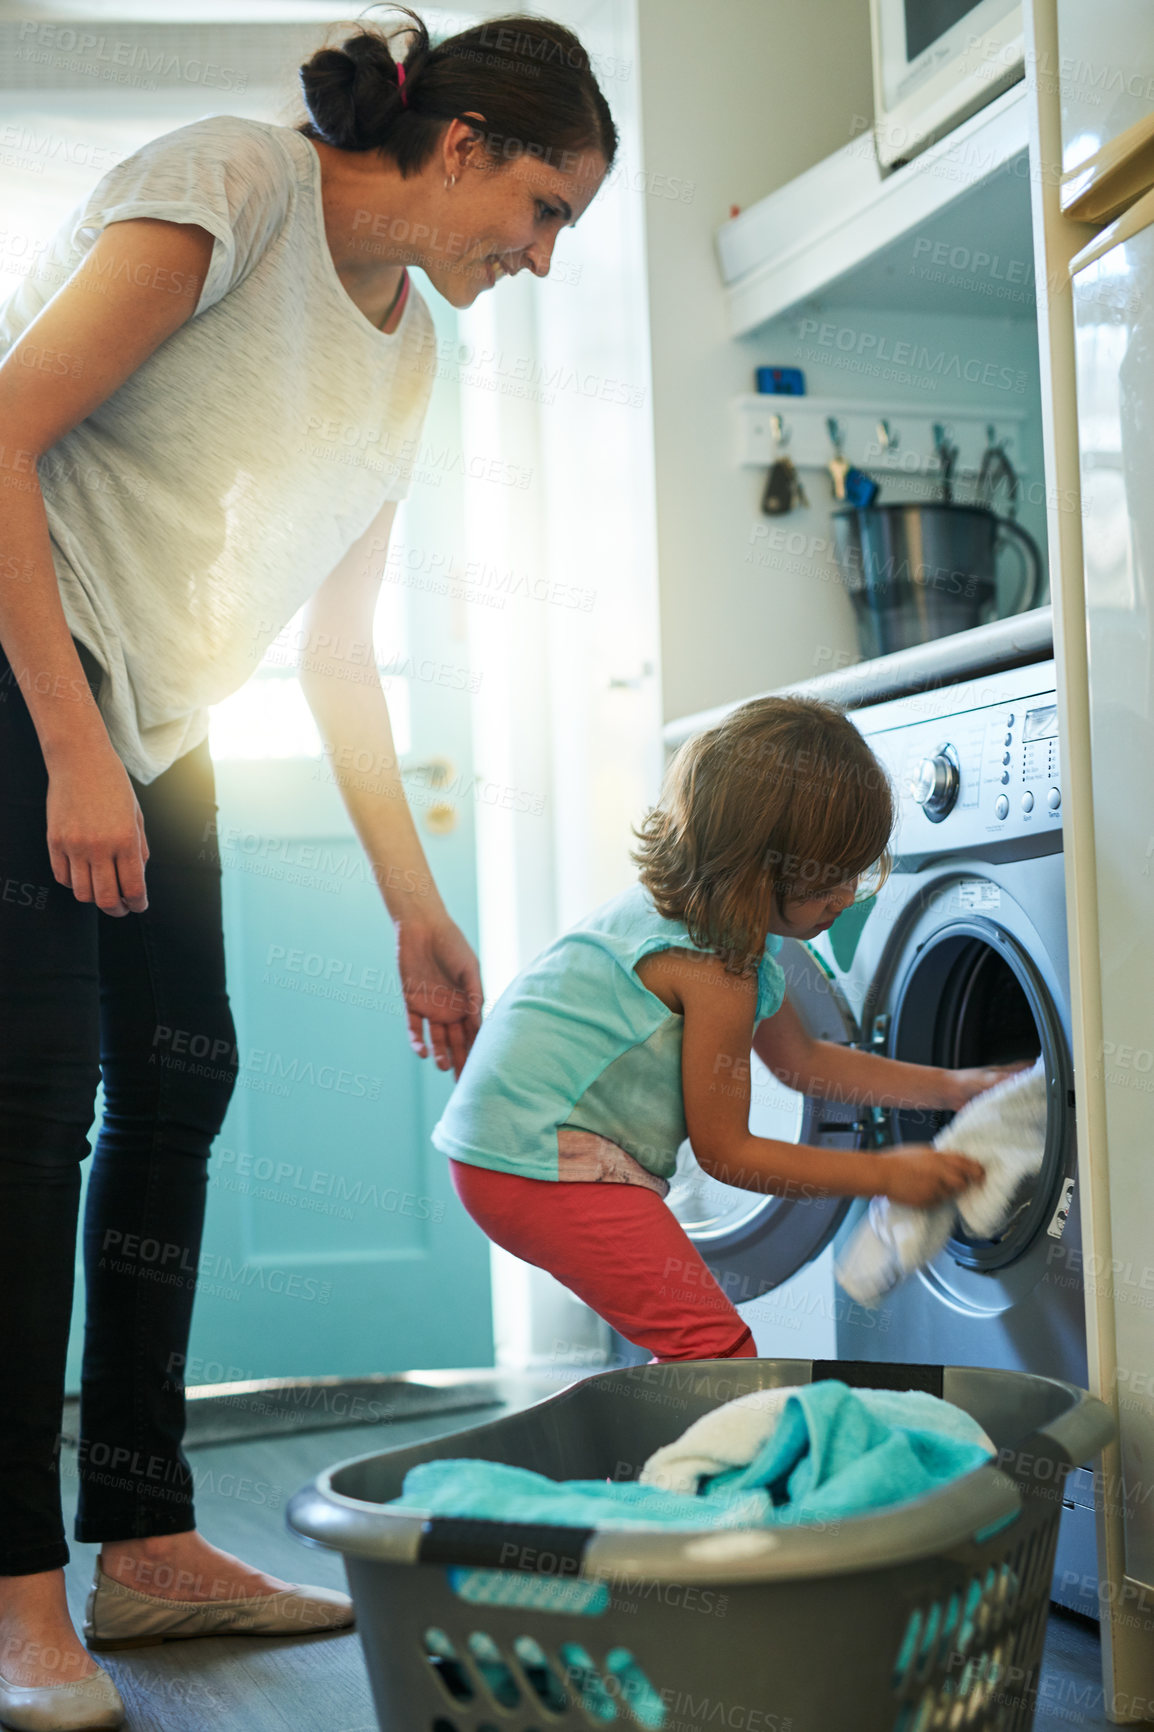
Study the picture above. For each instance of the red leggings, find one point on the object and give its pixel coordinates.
(619, 1249)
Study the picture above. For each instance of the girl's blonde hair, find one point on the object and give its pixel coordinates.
(782, 799)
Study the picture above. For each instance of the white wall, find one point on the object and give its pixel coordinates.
(729, 112)
(785, 567)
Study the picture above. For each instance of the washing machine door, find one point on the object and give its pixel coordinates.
(975, 981)
(754, 1242)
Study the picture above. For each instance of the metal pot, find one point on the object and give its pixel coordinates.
(919, 570)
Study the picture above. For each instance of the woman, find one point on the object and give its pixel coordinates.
(227, 304)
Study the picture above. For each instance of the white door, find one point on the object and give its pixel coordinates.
(1114, 314)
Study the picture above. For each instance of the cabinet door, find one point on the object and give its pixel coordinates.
(1114, 314)
(1105, 76)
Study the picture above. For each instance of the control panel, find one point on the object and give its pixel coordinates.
(973, 763)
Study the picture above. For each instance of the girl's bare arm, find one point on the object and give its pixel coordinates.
(719, 1009)
(843, 1073)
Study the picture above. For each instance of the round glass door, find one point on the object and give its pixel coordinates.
(972, 996)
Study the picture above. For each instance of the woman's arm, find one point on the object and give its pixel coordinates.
(139, 282)
(718, 1010)
(338, 675)
(843, 1073)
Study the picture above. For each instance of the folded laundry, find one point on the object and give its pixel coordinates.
(816, 1452)
(1004, 1129)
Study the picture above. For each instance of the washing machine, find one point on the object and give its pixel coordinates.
(959, 960)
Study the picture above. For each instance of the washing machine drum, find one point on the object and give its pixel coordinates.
(753, 1242)
(969, 991)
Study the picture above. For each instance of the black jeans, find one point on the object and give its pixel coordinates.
(84, 994)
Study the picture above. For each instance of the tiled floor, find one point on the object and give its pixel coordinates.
(318, 1684)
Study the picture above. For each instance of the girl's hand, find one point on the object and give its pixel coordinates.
(96, 840)
(442, 984)
(923, 1176)
(960, 1086)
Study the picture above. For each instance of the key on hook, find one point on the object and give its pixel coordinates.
(837, 465)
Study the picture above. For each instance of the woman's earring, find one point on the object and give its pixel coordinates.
(450, 181)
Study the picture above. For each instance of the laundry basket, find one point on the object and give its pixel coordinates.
(930, 1614)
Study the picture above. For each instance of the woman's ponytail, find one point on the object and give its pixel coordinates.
(530, 79)
(353, 93)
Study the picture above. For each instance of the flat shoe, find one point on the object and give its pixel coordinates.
(75, 1707)
(120, 1617)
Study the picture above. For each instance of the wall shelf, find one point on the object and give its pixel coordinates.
(843, 212)
(911, 449)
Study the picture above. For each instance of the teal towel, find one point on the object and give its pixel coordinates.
(492, 1491)
(835, 1452)
(842, 1452)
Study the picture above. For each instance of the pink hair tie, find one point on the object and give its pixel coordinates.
(401, 86)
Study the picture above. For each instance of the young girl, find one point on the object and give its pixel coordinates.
(634, 1028)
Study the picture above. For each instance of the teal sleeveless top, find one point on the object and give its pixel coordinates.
(577, 1040)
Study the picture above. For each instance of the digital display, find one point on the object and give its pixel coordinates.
(1040, 724)
(926, 20)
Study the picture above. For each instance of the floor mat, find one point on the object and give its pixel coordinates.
(233, 1413)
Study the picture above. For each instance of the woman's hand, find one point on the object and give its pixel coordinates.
(960, 1086)
(96, 839)
(442, 985)
(923, 1176)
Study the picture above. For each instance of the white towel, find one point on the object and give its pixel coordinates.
(729, 1436)
(1004, 1129)
(891, 1242)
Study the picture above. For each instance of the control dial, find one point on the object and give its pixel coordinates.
(936, 784)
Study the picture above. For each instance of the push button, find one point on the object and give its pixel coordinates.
(1002, 806)
(1027, 801)
(1005, 757)
(1009, 739)
(1054, 799)
(1005, 777)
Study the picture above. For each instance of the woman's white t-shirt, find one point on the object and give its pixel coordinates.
(197, 508)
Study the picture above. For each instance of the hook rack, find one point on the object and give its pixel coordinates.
(887, 438)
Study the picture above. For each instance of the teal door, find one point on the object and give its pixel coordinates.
(334, 1242)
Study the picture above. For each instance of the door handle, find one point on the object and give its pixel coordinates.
(434, 772)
